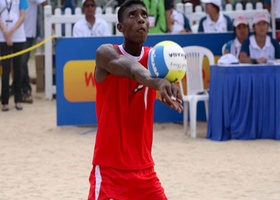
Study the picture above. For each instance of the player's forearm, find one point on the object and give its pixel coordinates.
(144, 77)
(109, 59)
(129, 68)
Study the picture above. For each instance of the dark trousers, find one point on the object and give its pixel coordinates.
(25, 84)
(16, 62)
(277, 22)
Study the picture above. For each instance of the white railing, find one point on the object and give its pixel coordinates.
(55, 23)
(60, 25)
(194, 17)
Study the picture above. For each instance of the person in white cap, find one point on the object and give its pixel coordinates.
(259, 47)
(241, 30)
(90, 25)
(214, 21)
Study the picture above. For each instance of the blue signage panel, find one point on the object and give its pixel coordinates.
(75, 62)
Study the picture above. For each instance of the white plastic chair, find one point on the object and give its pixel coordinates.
(194, 84)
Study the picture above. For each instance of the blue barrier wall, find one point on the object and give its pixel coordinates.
(75, 58)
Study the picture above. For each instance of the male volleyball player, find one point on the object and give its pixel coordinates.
(123, 167)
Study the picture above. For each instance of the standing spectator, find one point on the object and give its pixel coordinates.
(72, 4)
(241, 31)
(259, 47)
(214, 21)
(12, 38)
(90, 25)
(30, 27)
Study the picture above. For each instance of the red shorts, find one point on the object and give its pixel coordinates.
(109, 183)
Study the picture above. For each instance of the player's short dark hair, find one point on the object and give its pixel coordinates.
(126, 5)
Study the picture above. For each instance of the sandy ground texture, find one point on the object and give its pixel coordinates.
(39, 160)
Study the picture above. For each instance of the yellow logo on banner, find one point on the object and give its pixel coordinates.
(79, 85)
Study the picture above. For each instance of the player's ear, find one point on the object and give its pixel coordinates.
(120, 27)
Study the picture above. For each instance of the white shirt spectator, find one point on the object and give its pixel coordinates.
(219, 26)
(9, 17)
(235, 47)
(241, 32)
(82, 28)
(181, 24)
(268, 51)
(214, 21)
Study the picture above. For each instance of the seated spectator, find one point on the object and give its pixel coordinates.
(90, 25)
(259, 47)
(180, 23)
(241, 31)
(214, 21)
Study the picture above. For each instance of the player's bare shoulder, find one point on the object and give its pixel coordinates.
(105, 49)
(104, 55)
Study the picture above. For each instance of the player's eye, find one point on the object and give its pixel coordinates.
(144, 15)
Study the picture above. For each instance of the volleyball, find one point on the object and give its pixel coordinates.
(167, 60)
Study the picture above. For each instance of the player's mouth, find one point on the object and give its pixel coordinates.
(142, 30)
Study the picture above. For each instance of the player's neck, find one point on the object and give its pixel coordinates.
(132, 49)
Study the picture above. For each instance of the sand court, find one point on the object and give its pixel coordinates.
(39, 160)
(42, 161)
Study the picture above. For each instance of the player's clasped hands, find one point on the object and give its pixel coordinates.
(170, 95)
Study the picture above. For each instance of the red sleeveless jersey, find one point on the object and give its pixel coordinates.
(125, 112)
